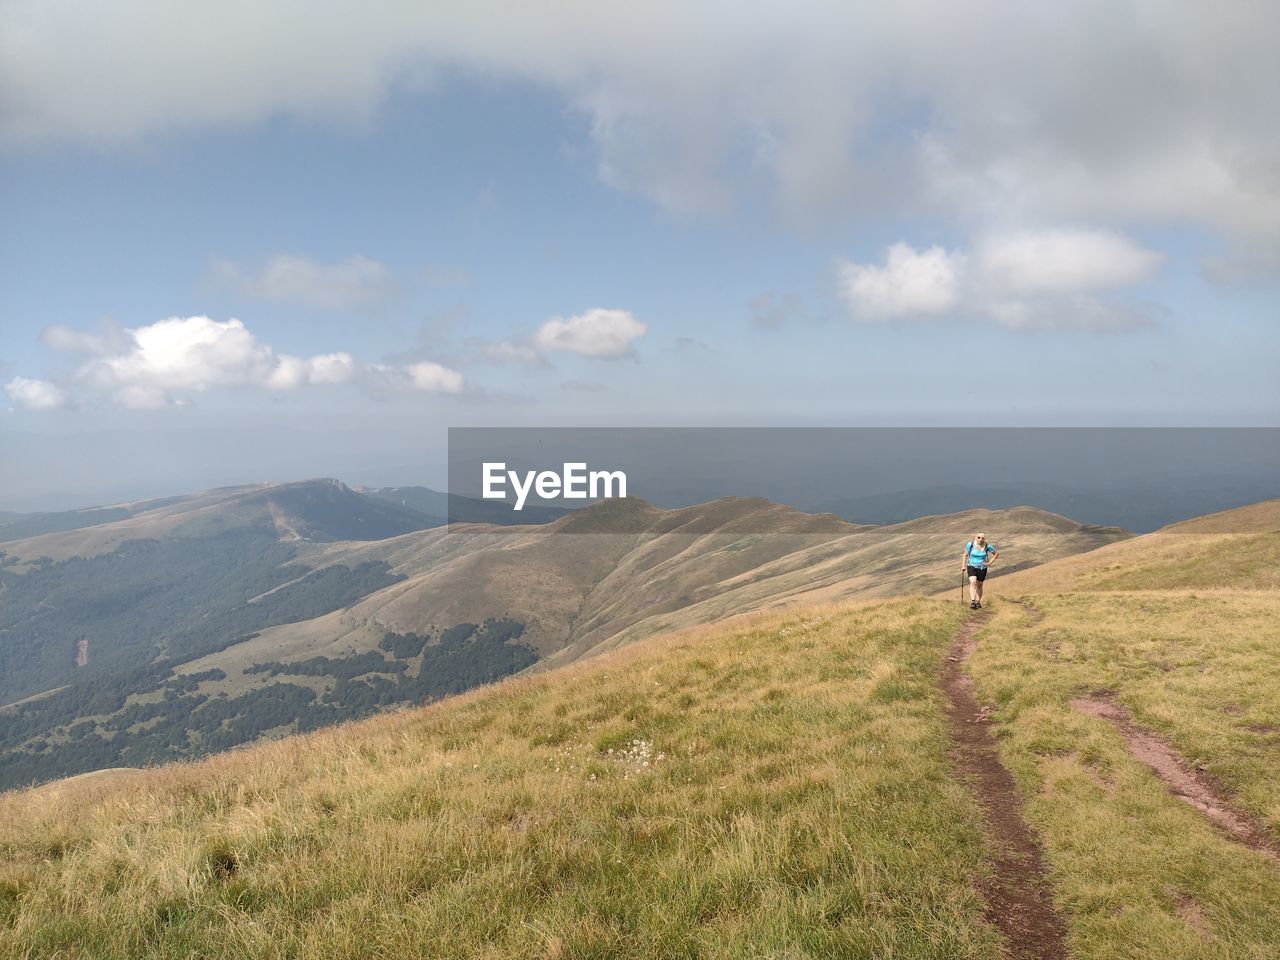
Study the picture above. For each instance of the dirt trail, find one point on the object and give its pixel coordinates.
(1182, 779)
(1019, 898)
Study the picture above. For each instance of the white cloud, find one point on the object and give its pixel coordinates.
(35, 394)
(382, 380)
(595, 333)
(434, 377)
(911, 283)
(328, 368)
(598, 332)
(1113, 112)
(1062, 261)
(1021, 280)
(155, 363)
(354, 283)
(188, 353)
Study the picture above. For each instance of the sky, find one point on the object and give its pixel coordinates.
(263, 241)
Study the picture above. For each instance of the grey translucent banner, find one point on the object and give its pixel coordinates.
(1136, 478)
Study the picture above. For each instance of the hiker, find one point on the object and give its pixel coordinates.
(978, 555)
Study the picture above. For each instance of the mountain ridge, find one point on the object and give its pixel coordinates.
(240, 613)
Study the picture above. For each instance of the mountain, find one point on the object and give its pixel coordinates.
(241, 613)
(177, 578)
(1237, 548)
(20, 526)
(579, 592)
(777, 783)
(446, 507)
(370, 512)
(1124, 505)
(312, 510)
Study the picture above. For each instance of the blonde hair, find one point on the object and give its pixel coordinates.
(979, 536)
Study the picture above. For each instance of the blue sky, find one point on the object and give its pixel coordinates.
(559, 217)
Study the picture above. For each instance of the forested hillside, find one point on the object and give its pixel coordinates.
(204, 622)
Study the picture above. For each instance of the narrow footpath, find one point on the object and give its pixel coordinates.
(1019, 897)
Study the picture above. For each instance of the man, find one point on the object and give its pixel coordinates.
(978, 555)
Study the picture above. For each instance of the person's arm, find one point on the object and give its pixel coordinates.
(992, 553)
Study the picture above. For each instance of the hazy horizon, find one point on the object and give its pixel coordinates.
(1138, 479)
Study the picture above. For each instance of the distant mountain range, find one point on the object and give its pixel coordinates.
(1130, 505)
(445, 507)
(176, 627)
(364, 513)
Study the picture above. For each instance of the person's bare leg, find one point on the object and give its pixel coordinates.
(978, 587)
(974, 590)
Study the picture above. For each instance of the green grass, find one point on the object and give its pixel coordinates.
(1196, 562)
(1214, 553)
(777, 788)
(1139, 872)
(771, 786)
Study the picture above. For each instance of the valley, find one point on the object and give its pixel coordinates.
(211, 621)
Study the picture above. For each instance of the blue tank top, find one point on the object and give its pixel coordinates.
(978, 555)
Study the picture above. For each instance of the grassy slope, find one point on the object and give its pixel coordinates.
(797, 801)
(777, 786)
(1140, 872)
(580, 594)
(1233, 549)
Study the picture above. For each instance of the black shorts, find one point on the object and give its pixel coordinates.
(979, 572)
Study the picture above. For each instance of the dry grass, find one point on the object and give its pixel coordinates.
(1172, 560)
(1140, 872)
(772, 787)
(581, 594)
(1261, 517)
